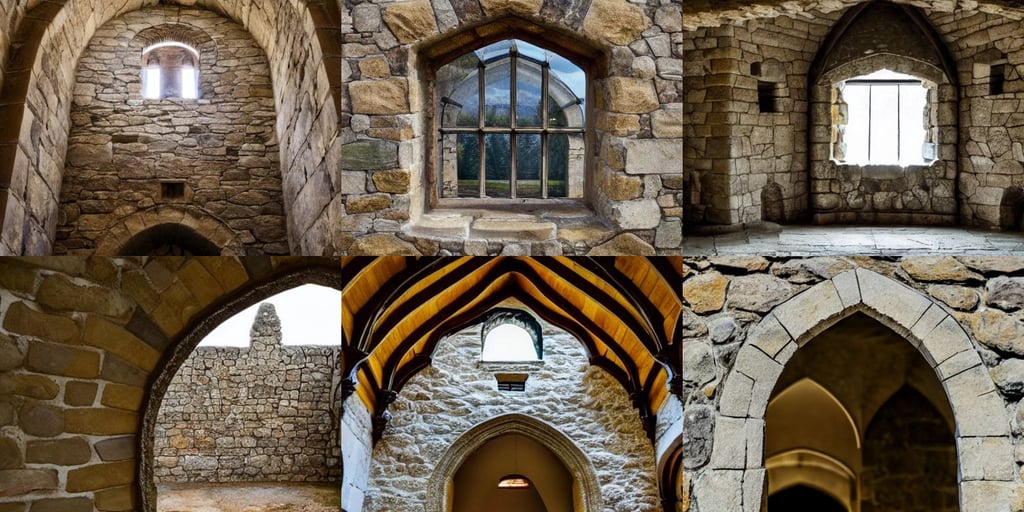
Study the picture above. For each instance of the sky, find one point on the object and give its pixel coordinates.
(310, 315)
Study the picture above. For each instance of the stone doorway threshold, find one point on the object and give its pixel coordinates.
(790, 240)
(248, 497)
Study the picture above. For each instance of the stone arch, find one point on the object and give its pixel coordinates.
(178, 352)
(200, 222)
(586, 487)
(35, 98)
(984, 447)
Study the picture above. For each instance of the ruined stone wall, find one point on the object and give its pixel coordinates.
(991, 125)
(744, 317)
(258, 413)
(222, 147)
(36, 141)
(633, 186)
(457, 392)
(745, 164)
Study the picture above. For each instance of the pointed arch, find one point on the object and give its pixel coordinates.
(982, 420)
(586, 487)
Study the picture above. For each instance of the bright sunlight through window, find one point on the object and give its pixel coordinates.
(508, 342)
(886, 119)
(310, 315)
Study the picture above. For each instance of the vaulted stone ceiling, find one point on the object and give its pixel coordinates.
(40, 44)
(704, 13)
(625, 311)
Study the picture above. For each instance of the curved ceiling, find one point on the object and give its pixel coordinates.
(627, 313)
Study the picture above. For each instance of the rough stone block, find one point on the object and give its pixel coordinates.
(100, 476)
(71, 451)
(512, 230)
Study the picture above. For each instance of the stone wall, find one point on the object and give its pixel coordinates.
(632, 204)
(258, 413)
(222, 147)
(742, 163)
(457, 392)
(356, 453)
(34, 140)
(991, 125)
(745, 317)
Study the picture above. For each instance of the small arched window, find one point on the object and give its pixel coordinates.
(170, 70)
(511, 335)
(511, 123)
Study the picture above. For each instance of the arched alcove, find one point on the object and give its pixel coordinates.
(183, 347)
(476, 482)
(139, 234)
(877, 37)
(586, 490)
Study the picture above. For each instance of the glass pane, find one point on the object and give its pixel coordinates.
(558, 164)
(528, 157)
(528, 98)
(469, 165)
(497, 94)
(459, 91)
(913, 101)
(151, 82)
(498, 164)
(189, 83)
(885, 141)
(856, 135)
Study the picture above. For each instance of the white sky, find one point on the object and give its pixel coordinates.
(310, 315)
(509, 342)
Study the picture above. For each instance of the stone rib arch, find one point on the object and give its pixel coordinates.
(736, 474)
(586, 487)
(202, 223)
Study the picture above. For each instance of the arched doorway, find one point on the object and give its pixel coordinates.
(565, 476)
(801, 498)
(737, 471)
(486, 480)
(860, 416)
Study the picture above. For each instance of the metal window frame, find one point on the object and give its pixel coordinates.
(513, 129)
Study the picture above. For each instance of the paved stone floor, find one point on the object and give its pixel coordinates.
(249, 497)
(773, 240)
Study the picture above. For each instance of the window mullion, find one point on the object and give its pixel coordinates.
(480, 126)
(513, 57)
(870, 89)
(544, 127)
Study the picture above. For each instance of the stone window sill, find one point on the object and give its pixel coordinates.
(510, 220)
(510, 366)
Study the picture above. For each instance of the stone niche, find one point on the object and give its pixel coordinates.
(630, 195)
(747, 165)
(209, 163)
(260, 413)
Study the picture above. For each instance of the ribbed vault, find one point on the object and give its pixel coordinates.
(625, 311)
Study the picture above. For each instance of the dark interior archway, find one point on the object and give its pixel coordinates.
(801, 498)
(169, 240)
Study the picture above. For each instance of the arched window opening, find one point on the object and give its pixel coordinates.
(511, 123)
(511, 335)
(802, 498)
(170, 70)
(881, 118)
